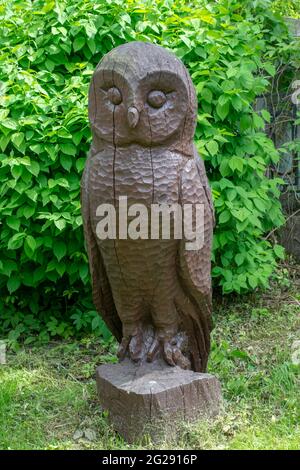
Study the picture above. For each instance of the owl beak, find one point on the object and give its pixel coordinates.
(133, 116)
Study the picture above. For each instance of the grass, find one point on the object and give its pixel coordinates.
(48, 396)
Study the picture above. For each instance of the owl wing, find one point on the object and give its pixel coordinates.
(204, 181)
(102, 295)
(194, 266)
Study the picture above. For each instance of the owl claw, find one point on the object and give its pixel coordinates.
(181, 360)
(154, 348)
(168, 353)
(133, 345)
(136, 347)
(123, 348)
(171, 353)
(174, 357)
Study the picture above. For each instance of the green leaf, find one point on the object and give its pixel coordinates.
(28, 211)
(223, 110)
(17, 139)
(239, 258)
(59, 249)
(223, 100)
(246, 122)
(16, 241)
(3, 113)
(50, 65)
(8, 267)
(13, 222)
(92, 45)
(246, 79)
(224, 168)
(34, 168)
(260, 204)
(36, 148)
(279, 251)
(83, 272)
(13, 284)
(9, 124)
(78, 43)
(236, 163)
(68, 149)
(96, 322)
(29, 245)
(66, 162)
(90, 29)
(253, 281)
(212, 147)
(4, 140)
(77, 137)
(237, 103)
(266, 115)
(80, 164)
(269, 67)
(60, 224)
(207, 95)
(258, 121)
(38, 274)
(225, 216)
(60, 268)
(242, 214)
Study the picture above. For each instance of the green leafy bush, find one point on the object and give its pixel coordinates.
(49, 51)
(290, 8)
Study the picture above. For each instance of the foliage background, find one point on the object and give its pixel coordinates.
(290, 8)
(49, 50)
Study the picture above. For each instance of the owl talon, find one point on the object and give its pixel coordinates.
(180, 360)
(136, 347)
(154, 348)
(168, 353)
(174, 357)
(133, 345)
(123, 348)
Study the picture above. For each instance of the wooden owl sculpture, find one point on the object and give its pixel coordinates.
(153, 293)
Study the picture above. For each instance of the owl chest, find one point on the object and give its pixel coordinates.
(143, 176)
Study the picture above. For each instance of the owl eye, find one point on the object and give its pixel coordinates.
(156, 99)
(114, 95)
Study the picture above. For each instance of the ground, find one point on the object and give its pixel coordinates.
(48, 398)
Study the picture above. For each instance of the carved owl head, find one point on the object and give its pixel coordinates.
(142, 94)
